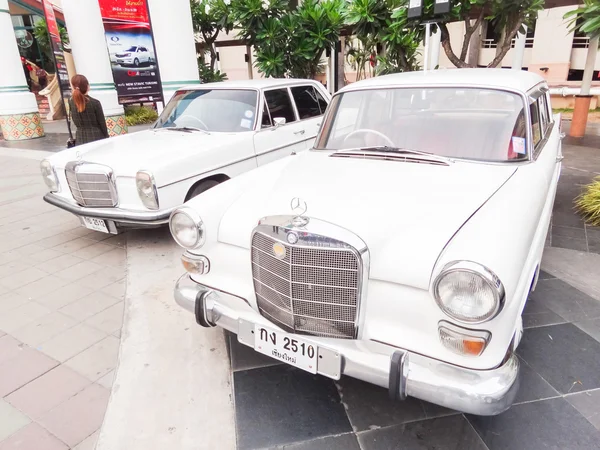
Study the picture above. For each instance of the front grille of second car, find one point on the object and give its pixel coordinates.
(312, 290)
(91, 189)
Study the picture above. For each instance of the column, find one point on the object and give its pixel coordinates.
(174, 41)
(19, 114)
(88, 47)
(519, 50)
(436, 42)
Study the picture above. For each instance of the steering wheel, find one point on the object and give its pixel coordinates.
(367, 131)
(195, 118)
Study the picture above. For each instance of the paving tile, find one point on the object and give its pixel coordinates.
(569, 243)
(116, 289)
(547, 424)
(41, 255)
(578, 355)
(280, 405)
(565, 300)
(22, 278)
(60, 263)
(48, 391)
(545, 276)
(115, 257)
(89, 443)
(71, 342)
(64, 296)
(11, 300)
(594, 246)
(588, 404)
(569, 232)
(98, 360)
(89, 306)
(110, 320)
(591, 327)
(445, 433)
(103, 278)
(77, 418)
(11, 420)
(41, 287)
(20, 370)
(244, 357)
(83, 269)
(10, 348)
(107, 380)
(346, 441)
(532, 386)
(55, 240)
(21, 316)
(13, 267)
(32, 437)
(369, 406)
(536, 314)
(73, 245)
(92, 251)
(119, 240)
(44, 329)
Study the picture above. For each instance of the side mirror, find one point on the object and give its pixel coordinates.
(278, 121)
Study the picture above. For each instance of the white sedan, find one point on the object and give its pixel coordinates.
(401, 249)
(205, 136)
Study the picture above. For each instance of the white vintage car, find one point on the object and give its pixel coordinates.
(401, 249)
(135, 55)
(205, 135)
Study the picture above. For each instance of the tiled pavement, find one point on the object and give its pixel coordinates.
(61, 309)
(557, 407)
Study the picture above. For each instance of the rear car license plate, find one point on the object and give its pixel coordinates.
(286, 348)
(94, 224)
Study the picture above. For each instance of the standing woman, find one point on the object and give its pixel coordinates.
(86, 113)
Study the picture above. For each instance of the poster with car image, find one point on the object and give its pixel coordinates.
(131, 49)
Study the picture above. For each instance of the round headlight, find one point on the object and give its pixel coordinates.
(187, 228)
(468, 292)
(49, 175)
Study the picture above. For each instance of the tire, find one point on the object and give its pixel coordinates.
(136, 62)
(200, 188)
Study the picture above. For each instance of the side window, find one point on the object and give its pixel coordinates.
(266, 118)
(322, 102)
(306, 102)
(280, 105)
(536, 127)
(545, 114)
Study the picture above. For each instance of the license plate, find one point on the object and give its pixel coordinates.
(94, 224)
(285, 348)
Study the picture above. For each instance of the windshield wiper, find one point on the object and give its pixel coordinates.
(400, 150)
(186, 129)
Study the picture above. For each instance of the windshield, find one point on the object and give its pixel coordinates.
(218, 110)
(479, 124)
(131, 49)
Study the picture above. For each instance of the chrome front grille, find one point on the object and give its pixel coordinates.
(91, 185)
(310, 290)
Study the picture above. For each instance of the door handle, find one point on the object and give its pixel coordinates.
(299, 132)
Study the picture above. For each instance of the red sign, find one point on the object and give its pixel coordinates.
(131, 48)
(50, 18)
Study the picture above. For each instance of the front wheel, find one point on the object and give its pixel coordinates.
(136, 62)
(200, 188)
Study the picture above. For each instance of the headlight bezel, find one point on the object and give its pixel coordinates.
(486, 274)
(198, 225)
(150, 202)
(46, 175)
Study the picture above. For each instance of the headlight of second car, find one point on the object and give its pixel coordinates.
(49, 175)
(187, 228)
(468, 292)
(146, 188)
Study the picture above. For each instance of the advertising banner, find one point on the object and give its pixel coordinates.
(57, 51)
(131, 48)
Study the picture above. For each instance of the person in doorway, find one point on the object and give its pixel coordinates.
(86, 112)
(27, 71)
(42, 77)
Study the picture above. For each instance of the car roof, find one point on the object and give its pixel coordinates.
(261, 83)
(521, 81)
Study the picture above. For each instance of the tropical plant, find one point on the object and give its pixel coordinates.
(208, 75)
(586, 18)
(40, 31)
(588, 203)
(139, 115)
(209, 19)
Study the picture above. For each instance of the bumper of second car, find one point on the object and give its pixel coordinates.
(480, 392)
(138, 219)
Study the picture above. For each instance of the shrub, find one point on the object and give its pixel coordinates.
(139, 115)
(588, 203)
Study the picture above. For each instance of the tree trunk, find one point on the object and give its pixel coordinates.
(447, 46)
(505, 43)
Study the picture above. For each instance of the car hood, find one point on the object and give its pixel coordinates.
(153, 150)
(405, 212)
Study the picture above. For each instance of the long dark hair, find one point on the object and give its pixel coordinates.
(80, 87)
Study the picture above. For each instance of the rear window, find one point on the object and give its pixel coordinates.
(478, 124)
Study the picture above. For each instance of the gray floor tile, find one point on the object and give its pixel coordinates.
(545, 425)
(532, 386)
(591, 327)
(244, 357)
(569, 232)
(545, 275)
(346, 441)
(564, 356)
(588, 404)
(446, 433)
(564, 300)
(569, 243)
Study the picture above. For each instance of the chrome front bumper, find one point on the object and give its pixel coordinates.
(120, 216)
(480, 392)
